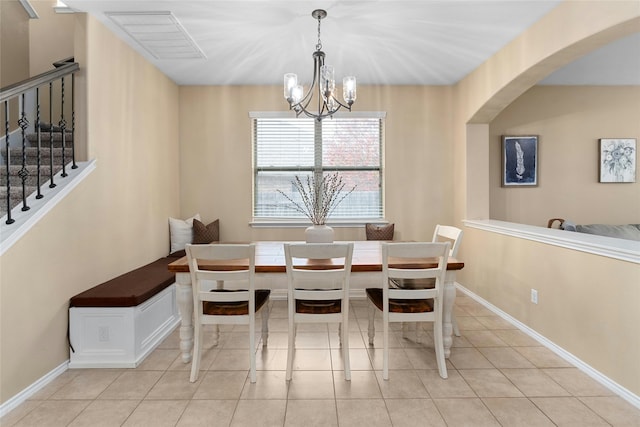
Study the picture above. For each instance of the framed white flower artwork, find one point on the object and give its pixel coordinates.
(617, 160)
(520, 161)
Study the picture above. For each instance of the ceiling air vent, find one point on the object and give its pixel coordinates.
(159, 33)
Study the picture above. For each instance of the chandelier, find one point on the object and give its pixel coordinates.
(323, 82)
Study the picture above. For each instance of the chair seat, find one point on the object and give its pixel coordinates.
(318, 306)
(400, 305)
(234, 308)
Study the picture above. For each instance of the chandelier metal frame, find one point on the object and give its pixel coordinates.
(323, 84)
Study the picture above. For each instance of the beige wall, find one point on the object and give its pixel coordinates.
(14, 53)
(568, 120)
(51, 39)
(588, 304)
(215, 157)
(14, 43)
(30, 46)
(114, 221)
(51, 36)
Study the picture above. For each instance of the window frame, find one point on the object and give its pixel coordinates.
(268, 221)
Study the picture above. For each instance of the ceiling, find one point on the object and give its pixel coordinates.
(208, 42)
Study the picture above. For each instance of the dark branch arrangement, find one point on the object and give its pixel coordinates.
(319, 197)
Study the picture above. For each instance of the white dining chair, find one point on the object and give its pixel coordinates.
(401, 304)
(442, 233)
(226, 296)
(318, 291)
(448, 233)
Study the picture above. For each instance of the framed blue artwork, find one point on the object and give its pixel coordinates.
(520, 161)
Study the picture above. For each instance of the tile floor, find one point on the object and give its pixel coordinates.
(498, 376)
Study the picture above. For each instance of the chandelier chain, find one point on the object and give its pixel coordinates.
(319, 44)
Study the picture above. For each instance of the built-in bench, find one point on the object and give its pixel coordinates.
(119, 322)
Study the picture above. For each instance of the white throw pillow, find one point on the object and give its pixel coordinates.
(181, 232)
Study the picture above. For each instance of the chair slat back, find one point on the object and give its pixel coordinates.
(205, 280)
(412, 251)
(319, 266)
(451, 234)
(413, 293)
(318, 294)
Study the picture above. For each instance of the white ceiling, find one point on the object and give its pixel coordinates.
(381, 42)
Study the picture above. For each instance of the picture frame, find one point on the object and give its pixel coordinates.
(617, 160)
(520, 161)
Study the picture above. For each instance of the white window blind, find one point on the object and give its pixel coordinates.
(289, 147)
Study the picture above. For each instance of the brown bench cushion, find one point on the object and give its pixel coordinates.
(130, 289)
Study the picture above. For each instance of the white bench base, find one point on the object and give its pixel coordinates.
(121, 337)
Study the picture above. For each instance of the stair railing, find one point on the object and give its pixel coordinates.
(19, 93)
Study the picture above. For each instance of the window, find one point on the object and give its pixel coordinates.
(286, 147)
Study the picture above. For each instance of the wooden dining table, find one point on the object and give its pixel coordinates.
(366, 269)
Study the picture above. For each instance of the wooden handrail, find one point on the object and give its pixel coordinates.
(16, 89)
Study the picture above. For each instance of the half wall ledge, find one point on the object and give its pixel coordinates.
(621, 249)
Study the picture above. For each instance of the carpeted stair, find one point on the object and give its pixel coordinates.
(31, 153)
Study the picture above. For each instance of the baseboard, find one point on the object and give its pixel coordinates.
(25, 394)
(19, 398)
(587, 369)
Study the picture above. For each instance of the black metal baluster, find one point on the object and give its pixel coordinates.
(39, 149)
(20, 171)
(7, 163)
(51, 183)
(23, 122)
(63, 128)
(73, 121)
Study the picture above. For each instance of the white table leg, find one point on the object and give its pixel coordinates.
(449, 299)
(185, 306)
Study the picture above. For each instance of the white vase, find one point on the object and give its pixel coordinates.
(319, 234)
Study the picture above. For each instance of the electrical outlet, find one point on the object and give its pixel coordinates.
(103, 333)
(534, 296)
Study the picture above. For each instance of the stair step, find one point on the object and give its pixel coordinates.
(57, 136)
(16, 192)
(32, 153)
(44, 127)
(32, 170)
(45, 137)
(15, 197)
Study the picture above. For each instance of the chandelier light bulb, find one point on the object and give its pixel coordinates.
(296, 94)
(332, 104)
(290, 81)
(349, 89)
(327, 81)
